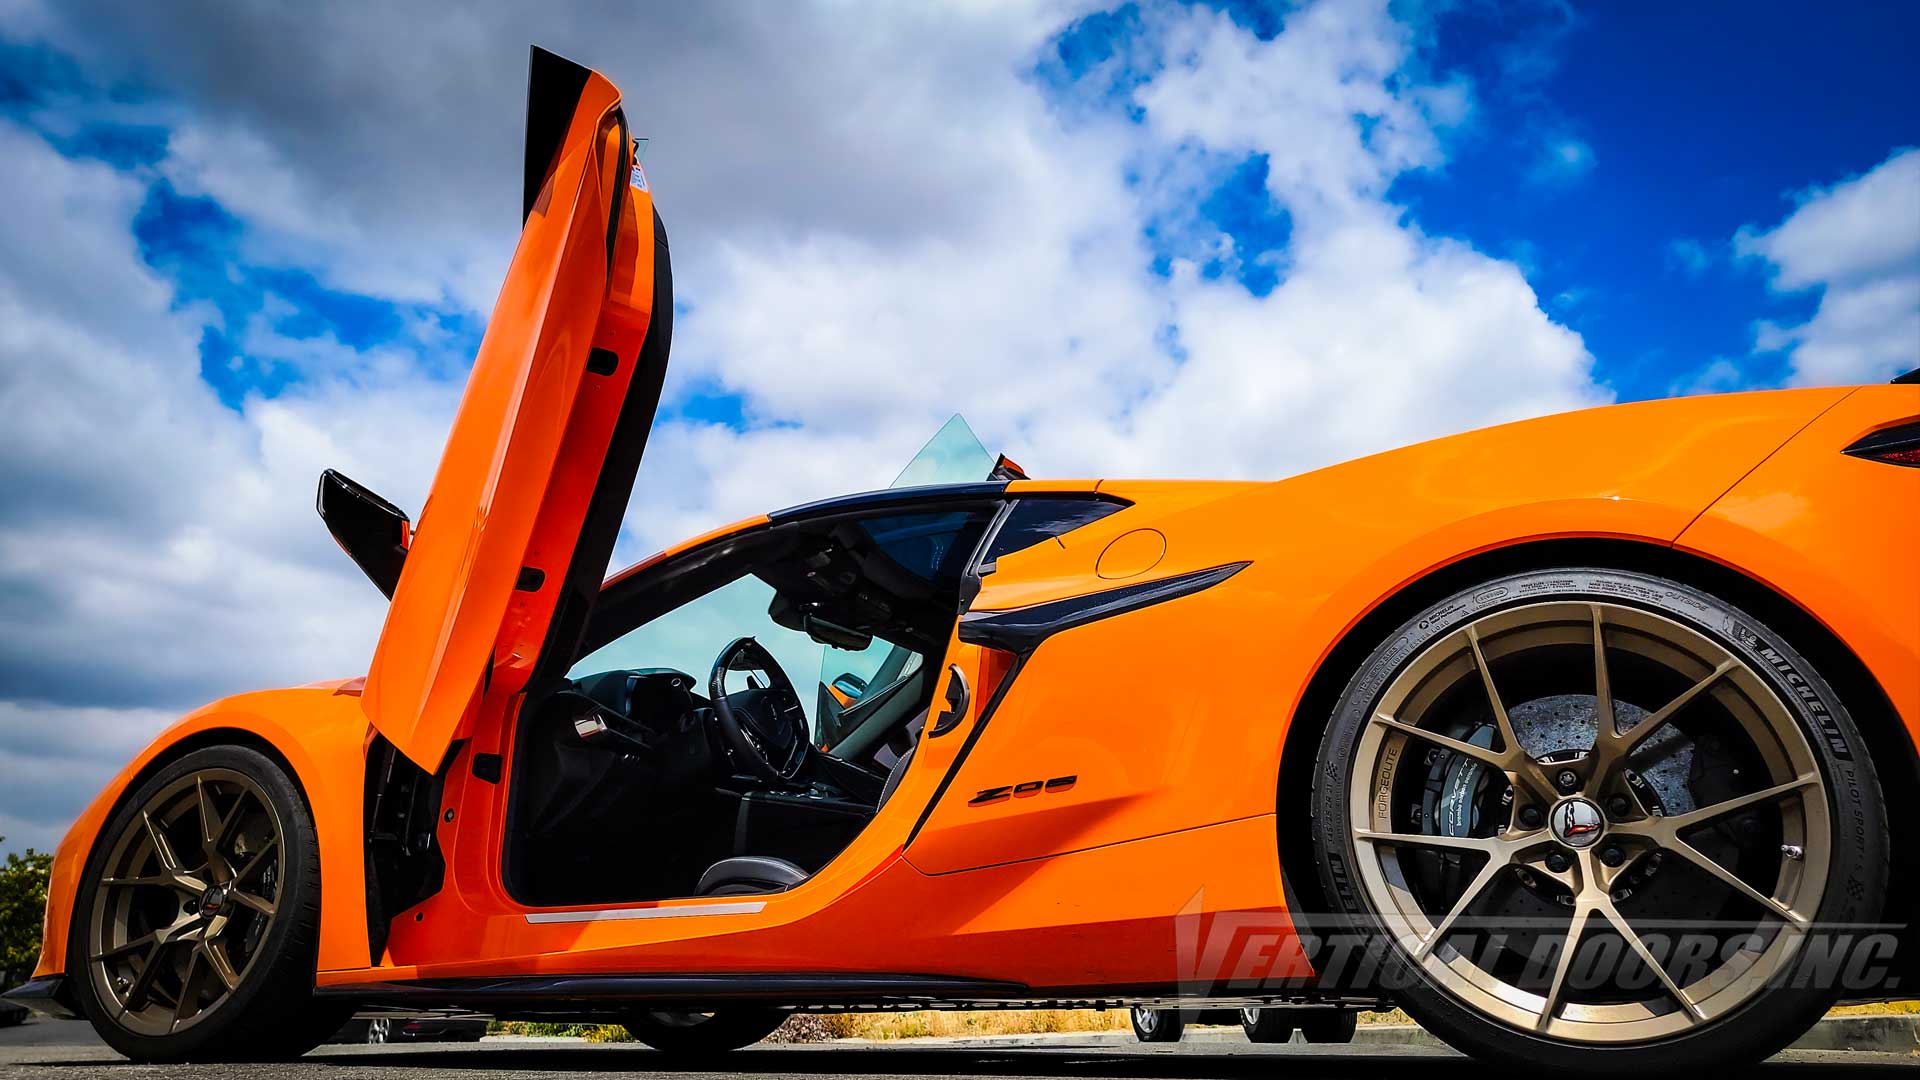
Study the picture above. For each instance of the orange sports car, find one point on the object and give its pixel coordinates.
(1587, 740)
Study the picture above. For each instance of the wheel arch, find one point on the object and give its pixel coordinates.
(310, 754)
(1895, 757)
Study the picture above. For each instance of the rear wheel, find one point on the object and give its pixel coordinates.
(197, 919)
(697, 1034)
(1329, 1025)
(1157, 1025)
(1595, 818)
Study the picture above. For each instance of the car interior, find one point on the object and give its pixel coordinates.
(684, 753)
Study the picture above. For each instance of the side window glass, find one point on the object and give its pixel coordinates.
(1037, 519)
(953, 456)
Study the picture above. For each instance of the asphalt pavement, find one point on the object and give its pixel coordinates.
(68, 1050)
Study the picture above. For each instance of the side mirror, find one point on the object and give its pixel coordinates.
(850, 684)
(372, 531)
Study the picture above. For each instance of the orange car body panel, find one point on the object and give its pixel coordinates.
(1837, 535)
(1171, 719)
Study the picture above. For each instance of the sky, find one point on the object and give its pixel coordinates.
(247, 242)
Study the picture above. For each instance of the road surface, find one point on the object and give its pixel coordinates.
(67, 1050)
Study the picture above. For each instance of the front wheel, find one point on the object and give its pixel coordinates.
(1157, 1025)
(1600, 822)
(700, 1034)
(197, 920)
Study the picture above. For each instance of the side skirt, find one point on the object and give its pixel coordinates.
(574, 995)
(582, 997)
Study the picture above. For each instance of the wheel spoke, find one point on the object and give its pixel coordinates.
(1732, 881)
(217, 866)
(1481, 754)
(1740, 802)
(1472, 892)
(204, 800)
(164, 881)
(1639, 732)
(162, 850)
(231, 823)
(256, 861)
(246, 899)
(1582, 909)
(189, 987)
(141, 942)
(222, 967)
(1639, 947)
(1507, 737)
(1487, 845)
(1520, 767)
(1602, 684)
(142, 987)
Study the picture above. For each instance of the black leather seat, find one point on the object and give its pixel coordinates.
(750, 874)
(746, 874)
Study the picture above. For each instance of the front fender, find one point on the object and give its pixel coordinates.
(321, 735)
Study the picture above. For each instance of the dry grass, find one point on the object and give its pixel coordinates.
(600, 1033)
(1903, 1008)
(943, 1023)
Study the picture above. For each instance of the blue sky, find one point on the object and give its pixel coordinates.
(1698, 120)
(1157, 238)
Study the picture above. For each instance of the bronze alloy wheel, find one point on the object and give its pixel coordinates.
(186, 900)
(197, 918)
(1586, 810)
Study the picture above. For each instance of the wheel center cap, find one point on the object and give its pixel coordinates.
(1577, 822)
(213, 900)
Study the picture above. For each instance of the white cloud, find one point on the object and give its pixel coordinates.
(1858, 243)
(156, 548)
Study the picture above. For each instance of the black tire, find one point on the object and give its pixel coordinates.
(696, 1035)
(1266, 1025)
(1328, 1025)
(1855, 885)
(1157, 1025)
(271, 1014)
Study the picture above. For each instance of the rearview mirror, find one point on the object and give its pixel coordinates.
(372, 531)
(832, 633)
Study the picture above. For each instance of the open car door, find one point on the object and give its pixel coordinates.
(521, 519)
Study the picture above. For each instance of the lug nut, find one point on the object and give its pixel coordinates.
(1612, 856)
(1567, 779)
(1530, 816)
(1618, 806)
(1558, 862)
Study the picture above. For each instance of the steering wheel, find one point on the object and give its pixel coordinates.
(764, 724)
